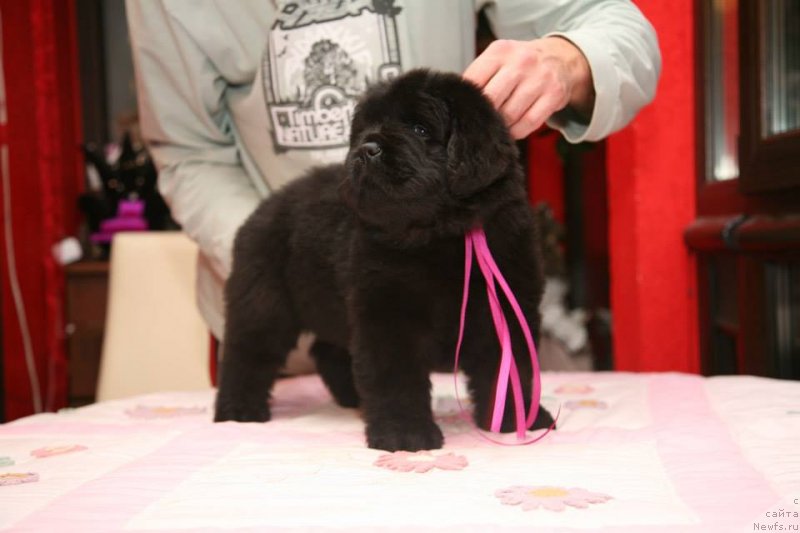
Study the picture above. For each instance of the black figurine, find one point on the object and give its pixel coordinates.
(132, 177)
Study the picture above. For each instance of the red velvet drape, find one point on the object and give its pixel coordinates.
(45, 171)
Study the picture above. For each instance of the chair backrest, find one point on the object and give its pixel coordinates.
(155, 339)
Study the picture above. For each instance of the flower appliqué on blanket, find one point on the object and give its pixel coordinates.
(574, 388)
(49, 451)
(17, 478)
(587, 403)
(550, 498)
(421, 462)
(163, 411)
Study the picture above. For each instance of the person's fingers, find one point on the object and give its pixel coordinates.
(525, 81)
(491, 60)
(521, 99)
(502, 84)
(482, 69)
(535, 116)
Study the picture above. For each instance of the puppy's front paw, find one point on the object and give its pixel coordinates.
(407, 435)
(543, 420)
(241, 411)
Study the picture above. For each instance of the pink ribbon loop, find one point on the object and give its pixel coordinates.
(475, 244)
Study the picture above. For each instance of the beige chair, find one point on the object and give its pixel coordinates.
(155, 339)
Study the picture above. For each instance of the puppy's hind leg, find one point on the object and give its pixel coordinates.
(335, 366)
(256, 343)
(260, 331)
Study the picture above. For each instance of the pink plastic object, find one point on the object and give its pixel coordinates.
(130, 217)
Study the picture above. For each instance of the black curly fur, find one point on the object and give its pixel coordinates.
(369, 256)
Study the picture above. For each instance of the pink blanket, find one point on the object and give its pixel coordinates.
(633, 452)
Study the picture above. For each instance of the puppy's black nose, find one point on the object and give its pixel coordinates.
(371, 149)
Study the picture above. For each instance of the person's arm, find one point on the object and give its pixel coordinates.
(187, 128)
(596, 64)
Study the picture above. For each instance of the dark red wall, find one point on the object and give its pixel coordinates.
(650, 178)
(651, 182)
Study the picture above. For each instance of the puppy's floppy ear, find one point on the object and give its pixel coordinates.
(478, 153)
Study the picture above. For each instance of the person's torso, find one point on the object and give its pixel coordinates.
(295, 69)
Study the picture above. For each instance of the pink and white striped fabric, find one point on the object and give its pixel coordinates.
(633, 452)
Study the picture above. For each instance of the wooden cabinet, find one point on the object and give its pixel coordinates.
(87, 293)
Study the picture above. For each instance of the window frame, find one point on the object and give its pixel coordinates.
(754, 218)
(766, 163)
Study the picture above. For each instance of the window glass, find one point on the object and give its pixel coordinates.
(781, 62)
(721, 50)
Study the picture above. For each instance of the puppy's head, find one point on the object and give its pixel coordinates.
(424, 151)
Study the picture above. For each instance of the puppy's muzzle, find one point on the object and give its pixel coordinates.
(370, 150)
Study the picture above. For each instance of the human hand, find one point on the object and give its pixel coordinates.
(527, 81)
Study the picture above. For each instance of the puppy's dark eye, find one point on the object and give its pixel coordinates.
(421, 130)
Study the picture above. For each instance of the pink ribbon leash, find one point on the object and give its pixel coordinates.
(475, 244)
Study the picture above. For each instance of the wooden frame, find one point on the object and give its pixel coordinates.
(769, 236)
(753, 220)
(92, 70)
(766, 163)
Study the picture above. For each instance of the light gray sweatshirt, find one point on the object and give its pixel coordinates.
(238, 97)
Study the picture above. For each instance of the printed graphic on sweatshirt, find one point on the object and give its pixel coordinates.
(320, 56)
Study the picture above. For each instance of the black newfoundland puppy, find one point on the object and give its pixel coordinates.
(369, 256)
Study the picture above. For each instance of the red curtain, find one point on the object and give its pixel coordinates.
(45, 175)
